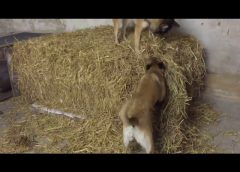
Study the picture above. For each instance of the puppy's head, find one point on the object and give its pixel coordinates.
(161, 26)
(154, 62)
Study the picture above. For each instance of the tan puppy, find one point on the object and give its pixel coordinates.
(136, 113)
(154, 25)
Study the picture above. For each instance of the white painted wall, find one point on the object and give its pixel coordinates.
(221, 38)
(74, 24)
(49, 25)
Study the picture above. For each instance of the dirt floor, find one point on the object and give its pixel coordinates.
(222, 91)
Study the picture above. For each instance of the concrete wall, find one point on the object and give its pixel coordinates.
(220, 37)
(48, 25)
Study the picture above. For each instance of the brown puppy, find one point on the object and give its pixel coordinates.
(155, 26)
(136, 113)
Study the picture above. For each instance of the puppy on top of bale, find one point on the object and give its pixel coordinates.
(137, 113)
(156, 26)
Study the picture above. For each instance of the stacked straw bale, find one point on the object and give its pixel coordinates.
(85, 73)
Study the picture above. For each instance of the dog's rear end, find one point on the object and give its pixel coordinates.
(137, 113)
(137, 125)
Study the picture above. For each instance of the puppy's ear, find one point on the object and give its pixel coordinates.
(161, 65)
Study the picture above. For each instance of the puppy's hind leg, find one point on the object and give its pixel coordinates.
(144, 136)
(127, 127)
(127, 134)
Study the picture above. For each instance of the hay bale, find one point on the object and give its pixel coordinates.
(85, 73)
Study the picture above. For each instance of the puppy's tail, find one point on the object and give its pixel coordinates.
(133, 121)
